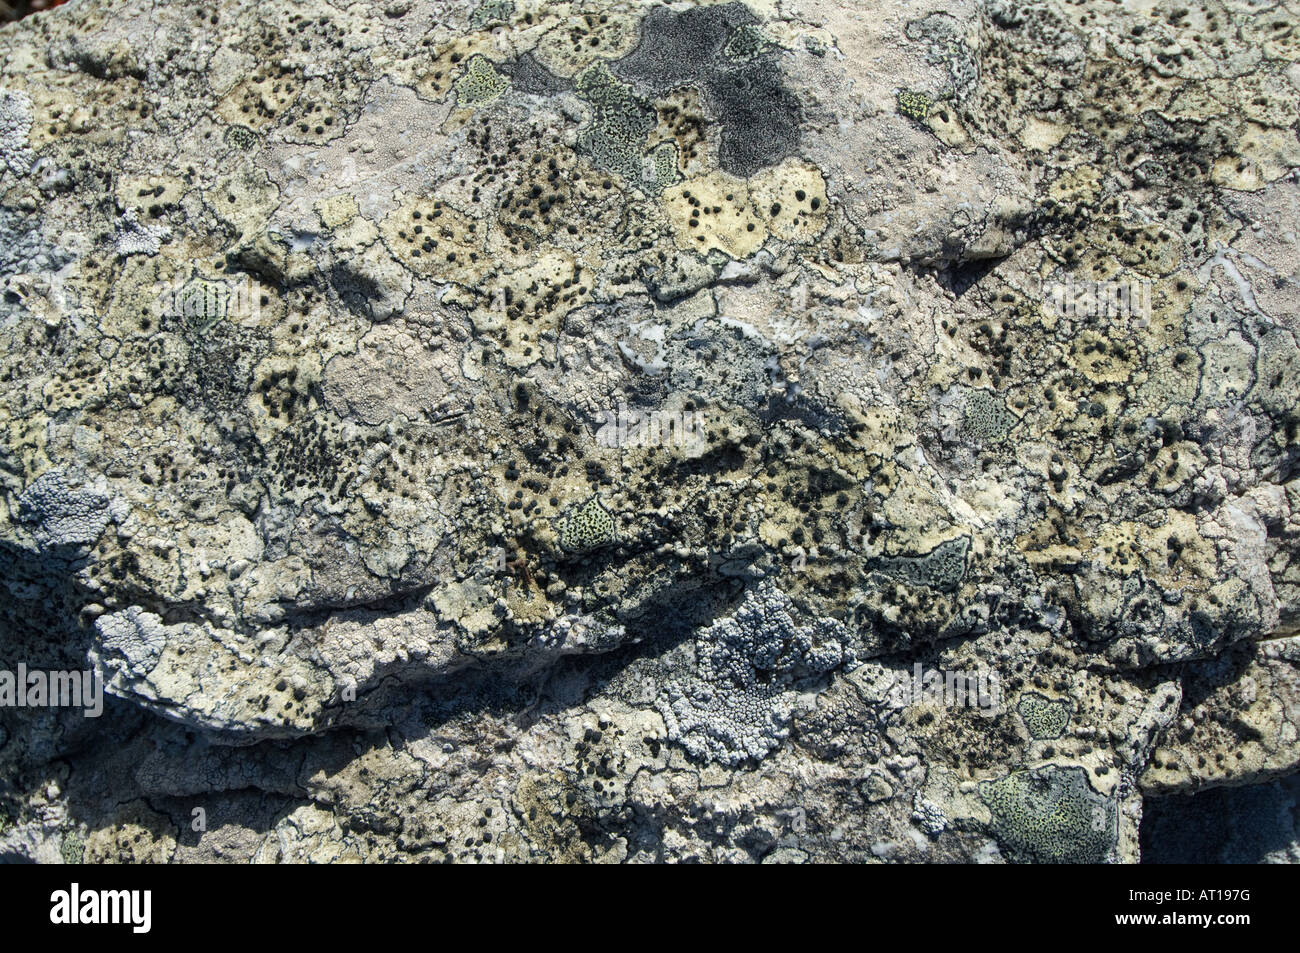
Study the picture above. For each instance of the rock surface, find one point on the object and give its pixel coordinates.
(591, 431)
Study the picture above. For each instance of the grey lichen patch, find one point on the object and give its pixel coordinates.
(759, 115)
(491, 12)
(986, 417)
(529, 76)
(1044, 717)
(1051, 815)
(738, 704)
(941, 568)
(588, 526)
(133, 637)
(615, 139)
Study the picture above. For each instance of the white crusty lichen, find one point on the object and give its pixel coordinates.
(133, 237)
(15, 124)
(63, 515)
(133, 636)
(738, 704)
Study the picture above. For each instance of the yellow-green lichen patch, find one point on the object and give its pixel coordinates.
(554, 198)
(914, 105)
(748, 42)
(1262, 155)
(480, 84)
(337, 211)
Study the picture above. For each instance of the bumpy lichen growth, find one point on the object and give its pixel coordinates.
(1044, 717)
(15, 124)
(63, 515)
(1051, 815)
(587, 527)
(738, 705)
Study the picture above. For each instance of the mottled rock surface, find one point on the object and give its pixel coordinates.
(347, 351)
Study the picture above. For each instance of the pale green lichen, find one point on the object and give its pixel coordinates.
(621, 121)
(986, 418)
(481, 83)
(491, 11)
(747, 43)
(1050, 815)
(1044, 717)
(72, 849)
(588, 526)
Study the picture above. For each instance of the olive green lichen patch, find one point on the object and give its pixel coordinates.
(715, 212)
(1051, 815)
(588, 526)
(791, 198)
(681, 120)
(445, 67)
(585, 38)
(1044, 717)
(481, 83)
(521, 309)
(434, 238)
(914, 105)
